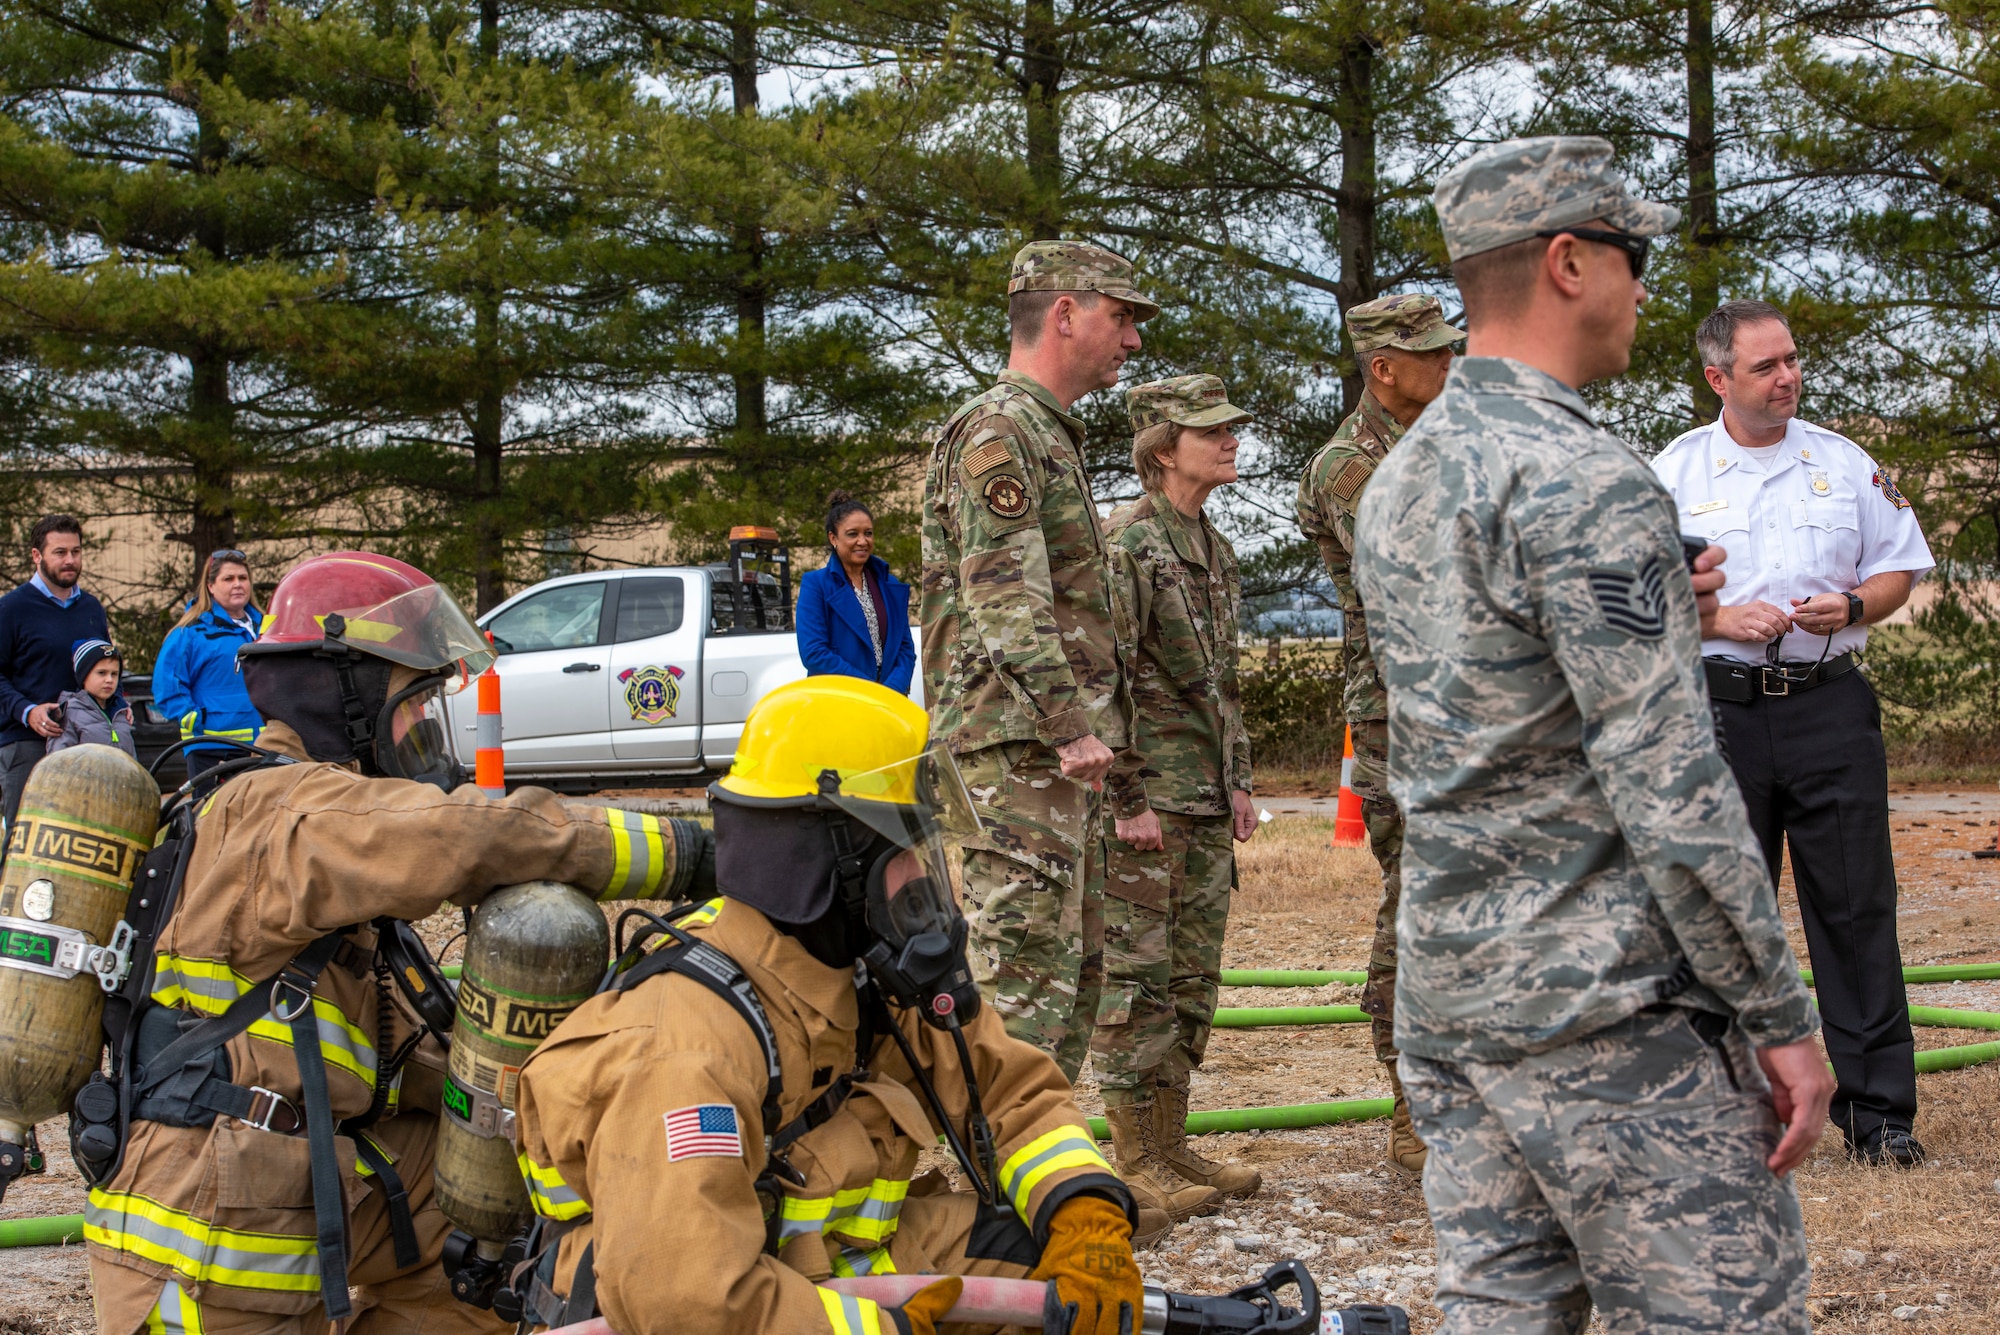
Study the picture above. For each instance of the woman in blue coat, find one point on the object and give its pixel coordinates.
(854, 616)
(195, 681)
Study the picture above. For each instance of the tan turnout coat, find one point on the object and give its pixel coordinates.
(679, 1243)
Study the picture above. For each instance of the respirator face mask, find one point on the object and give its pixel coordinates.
(921, 808)
(410, 740)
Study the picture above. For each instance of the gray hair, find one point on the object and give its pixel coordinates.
(1715, 337)
(1147, 447)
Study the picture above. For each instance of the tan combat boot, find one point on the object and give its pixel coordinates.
(1406, 1152)
(1153, 1226)
(1170, 1110)
(1153, 1184)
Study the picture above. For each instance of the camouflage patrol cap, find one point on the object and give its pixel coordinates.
(1406, 321)
(1184, 400)
(1078, 266)
(1512, 191)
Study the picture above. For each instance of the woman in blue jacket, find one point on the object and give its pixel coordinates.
(195, 681)
(854, 616)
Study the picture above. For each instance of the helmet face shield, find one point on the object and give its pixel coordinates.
(922, 805)
(423, 628)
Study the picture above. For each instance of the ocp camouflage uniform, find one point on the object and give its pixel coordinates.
(1021, 655)
(1328, 494)
(1591, 945)
(1165, 911)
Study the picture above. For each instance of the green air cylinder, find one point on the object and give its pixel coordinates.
(535, 952)
(87, 820)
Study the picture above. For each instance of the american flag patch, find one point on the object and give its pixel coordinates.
(707, 1130)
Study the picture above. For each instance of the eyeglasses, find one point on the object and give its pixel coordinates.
(1635, 247)
(228, 554)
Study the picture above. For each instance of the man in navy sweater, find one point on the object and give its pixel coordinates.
(39, 621)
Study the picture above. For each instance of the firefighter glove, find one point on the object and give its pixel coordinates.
(1089, 1261)
(922, 1310)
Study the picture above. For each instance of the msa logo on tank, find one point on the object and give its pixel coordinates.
(62, 845)
(652, 693)
(512, 1020)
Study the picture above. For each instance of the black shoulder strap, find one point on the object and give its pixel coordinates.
(704, 964)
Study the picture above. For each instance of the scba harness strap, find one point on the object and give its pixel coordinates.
(172, 1067)
(713, 969)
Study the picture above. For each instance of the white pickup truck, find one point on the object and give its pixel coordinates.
(622, 678)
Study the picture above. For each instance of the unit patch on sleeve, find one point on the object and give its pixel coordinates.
(1005, 496)
(705, 1131)
(1889, 491)
(1634, 605)
(1351, 478)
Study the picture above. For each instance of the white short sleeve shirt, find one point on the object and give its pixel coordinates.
(1819, 516)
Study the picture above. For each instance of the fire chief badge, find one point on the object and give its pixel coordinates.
(652, 694)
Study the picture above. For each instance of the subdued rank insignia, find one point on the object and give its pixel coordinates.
(1633, 604)
(1351, 478)
(1889, 491)
(1005, 496)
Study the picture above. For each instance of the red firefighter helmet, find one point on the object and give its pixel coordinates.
(371, 604)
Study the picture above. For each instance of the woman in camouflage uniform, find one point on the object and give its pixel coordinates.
(1171, 867)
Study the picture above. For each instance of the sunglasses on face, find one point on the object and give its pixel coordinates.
(1635, 247)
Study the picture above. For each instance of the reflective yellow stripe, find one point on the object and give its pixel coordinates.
(704, 915)
(866, 1214)
(197, 1250)
(638, 855)
(207, 987)
(552, 1197)
(187, 723)
(174, 1314)
(854, 1262)
(853, 1316)
(1050, 1152)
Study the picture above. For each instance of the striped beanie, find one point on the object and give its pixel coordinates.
(87, 654)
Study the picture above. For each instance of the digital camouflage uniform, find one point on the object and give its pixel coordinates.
(1165, 910)
(1021, 655)
(1591, 944)
(1328, 494)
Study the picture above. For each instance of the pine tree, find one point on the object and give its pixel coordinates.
(176, 297)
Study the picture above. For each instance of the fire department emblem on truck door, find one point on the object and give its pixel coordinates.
(652, 694)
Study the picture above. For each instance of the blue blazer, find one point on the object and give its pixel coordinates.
(833, 636)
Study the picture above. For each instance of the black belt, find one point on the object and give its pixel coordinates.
(1740, 683)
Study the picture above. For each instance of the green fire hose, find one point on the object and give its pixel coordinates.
(46, 1231)
(1285, 1118)
(1254, 1017)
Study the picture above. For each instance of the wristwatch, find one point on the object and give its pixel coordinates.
(1854, 610)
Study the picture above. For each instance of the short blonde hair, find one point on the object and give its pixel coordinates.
(1147, 447)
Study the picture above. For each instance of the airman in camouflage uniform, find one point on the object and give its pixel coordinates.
(1593, 967)
(1166, 908)
(1328, 494)
(1021, 656)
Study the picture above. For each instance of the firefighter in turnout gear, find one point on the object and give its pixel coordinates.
(715, 1136)
(263, 1175)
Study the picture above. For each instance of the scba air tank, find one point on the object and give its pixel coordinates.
(535, 952)
(87, 820)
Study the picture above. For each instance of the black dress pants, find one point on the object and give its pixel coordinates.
(1813, 772)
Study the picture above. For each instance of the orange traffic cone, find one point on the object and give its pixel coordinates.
(488, 761)
(1349, 830)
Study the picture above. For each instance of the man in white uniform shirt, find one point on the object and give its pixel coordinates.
(1821, 545)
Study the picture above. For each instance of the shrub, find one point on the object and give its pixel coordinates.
(1939, 679)
(1291, 707)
